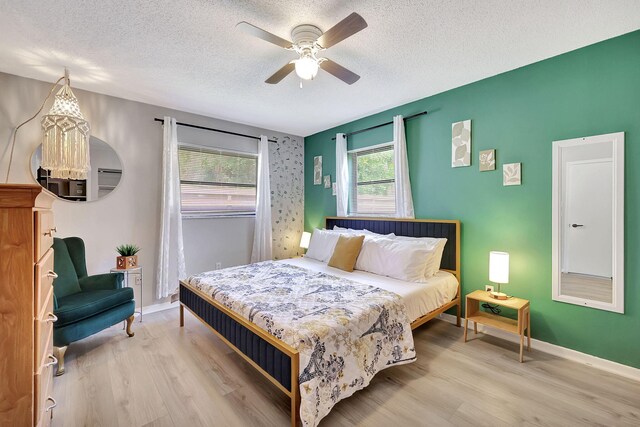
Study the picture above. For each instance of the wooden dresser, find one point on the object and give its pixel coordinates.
(26, 306)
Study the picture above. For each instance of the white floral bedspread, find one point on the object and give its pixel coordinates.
(344, 331)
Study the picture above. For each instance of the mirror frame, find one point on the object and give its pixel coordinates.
(617, 141)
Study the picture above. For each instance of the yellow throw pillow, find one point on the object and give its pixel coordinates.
(346, 252)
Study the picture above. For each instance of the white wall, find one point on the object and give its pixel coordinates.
(131, 212)
(224, 240)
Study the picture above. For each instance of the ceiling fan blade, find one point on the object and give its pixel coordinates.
(343, 29)
(281, 74)
(264, 35)
(349, 77)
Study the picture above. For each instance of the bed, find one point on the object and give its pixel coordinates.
(248, 315)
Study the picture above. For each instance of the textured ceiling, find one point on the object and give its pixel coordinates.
(187, 54)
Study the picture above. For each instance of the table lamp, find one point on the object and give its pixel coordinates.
(305, 239)
(498, 272)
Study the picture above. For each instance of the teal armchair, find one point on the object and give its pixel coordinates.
(83, 304)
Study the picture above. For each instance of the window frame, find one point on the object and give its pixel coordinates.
(353, 179)
(223, 152)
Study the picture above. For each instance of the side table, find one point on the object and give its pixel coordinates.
(475, 315)
(136, 272)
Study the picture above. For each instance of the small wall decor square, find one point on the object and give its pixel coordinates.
(511, 174)
(317, 170)
(334, 189)
(327, 181)
(488, 160)
(461, 144)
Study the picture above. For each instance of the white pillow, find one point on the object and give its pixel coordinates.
(363, 231)
(371, 233)
(322, 244)
(400, 259)
(435, 245)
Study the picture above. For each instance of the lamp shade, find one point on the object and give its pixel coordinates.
(499, 267)
(306, 67)
(65, 144)
(305, 239)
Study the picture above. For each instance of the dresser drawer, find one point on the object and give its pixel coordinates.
(45, 357)
(44, 280)
(44, 402)
(44, 329)
(45, 230)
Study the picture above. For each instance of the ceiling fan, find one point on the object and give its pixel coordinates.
(308, 41)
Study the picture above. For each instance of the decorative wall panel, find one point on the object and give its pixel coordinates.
(287, 195)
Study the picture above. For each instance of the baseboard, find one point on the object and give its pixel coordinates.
(556, 350)
(154, 308)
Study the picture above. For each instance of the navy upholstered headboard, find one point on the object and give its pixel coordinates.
(412, 228)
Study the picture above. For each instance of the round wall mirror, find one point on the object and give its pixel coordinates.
(104, 177)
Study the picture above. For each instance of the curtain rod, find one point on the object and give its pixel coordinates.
(383, 124)
(215, 130)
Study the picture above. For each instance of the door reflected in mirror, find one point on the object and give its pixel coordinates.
(588, 195)
(103, 178)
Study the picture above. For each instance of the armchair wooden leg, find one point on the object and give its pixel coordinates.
(129, 323)
(58, 353)
(458, 311)
(181, 315)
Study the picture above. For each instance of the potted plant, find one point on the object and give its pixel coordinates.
(128, 257)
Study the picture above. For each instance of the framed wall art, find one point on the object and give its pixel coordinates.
(317, 170)
(487, 160)
(512, 174)
(461, 144)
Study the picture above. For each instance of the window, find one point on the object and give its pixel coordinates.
(372, 186)
(214, 182)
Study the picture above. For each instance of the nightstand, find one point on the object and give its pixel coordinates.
(136, 271)
(474, 314)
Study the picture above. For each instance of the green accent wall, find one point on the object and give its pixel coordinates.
(591, 91)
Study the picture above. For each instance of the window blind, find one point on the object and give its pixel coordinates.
(216, 182)
(372, 183)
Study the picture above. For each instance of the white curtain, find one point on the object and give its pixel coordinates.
(404, 200)
(262, 236)
(342, 175)
(171, 256)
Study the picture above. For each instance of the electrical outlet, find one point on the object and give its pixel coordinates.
(488, 288)
(218, 265)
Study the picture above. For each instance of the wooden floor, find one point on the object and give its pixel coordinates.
(587, 287)
(171, 376)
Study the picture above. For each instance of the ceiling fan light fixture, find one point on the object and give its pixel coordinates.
(306, 67)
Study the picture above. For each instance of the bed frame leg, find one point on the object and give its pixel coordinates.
(458, 310)
(295, 391)
(181, 315)
(295, 411)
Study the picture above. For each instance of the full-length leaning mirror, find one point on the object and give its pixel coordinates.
(588, 221)
(103, 178)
